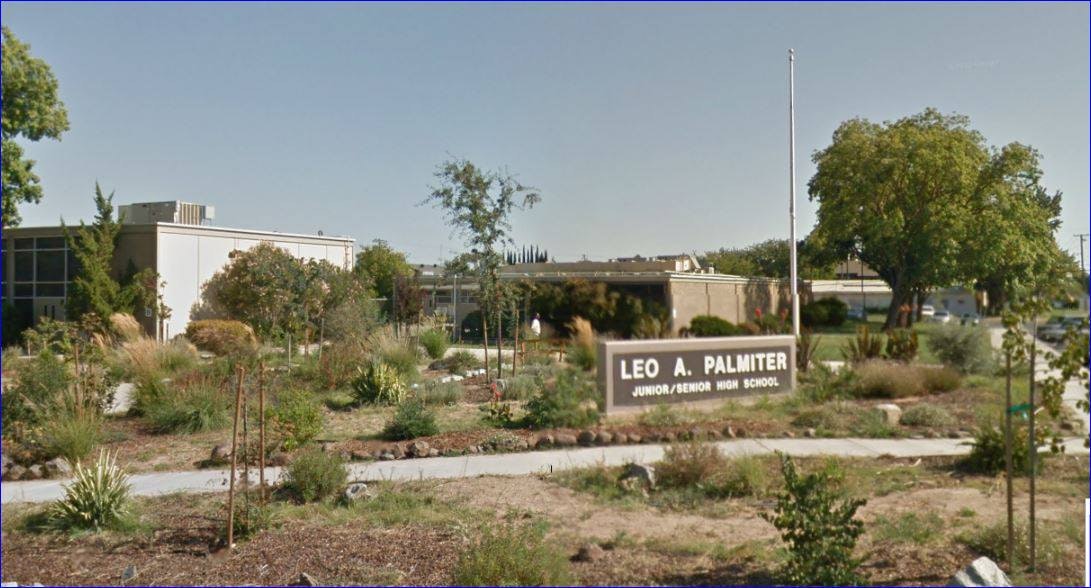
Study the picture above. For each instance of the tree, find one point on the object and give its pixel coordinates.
(917, 199)
(478, 206)
(261, 287)
(94, 293)
(770, 259)
(382, 264)
(31, 110)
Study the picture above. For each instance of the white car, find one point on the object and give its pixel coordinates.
(971, 318)
(941, 316)
(927, 311)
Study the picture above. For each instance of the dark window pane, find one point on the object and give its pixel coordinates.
(24, 290)
(25, 243)
(24, 266)
(50, 242)
(50, 266)
(56, 290)
(73, 266)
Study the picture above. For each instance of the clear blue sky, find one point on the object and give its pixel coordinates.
(648, 128)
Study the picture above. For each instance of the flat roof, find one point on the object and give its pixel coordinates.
(195, 228)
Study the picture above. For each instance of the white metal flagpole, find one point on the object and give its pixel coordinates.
(794, 277)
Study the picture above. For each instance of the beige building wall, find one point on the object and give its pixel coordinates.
(732, 301)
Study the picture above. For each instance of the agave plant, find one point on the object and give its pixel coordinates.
(97, 498)
(380, 384)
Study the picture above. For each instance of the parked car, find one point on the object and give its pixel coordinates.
(1055, 328)
(927, 311)
(857, 313)
(971, 318)
(941, 316)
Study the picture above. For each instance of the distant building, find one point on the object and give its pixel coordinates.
(957, 300)
(172, 238)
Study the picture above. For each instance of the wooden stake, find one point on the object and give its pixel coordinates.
(1007, 457)
(1033, 447)
(515, 343)
(234, 448)
(261, 431)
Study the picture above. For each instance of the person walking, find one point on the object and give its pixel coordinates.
(536, 326)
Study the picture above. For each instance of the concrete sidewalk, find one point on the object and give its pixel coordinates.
(517, 464)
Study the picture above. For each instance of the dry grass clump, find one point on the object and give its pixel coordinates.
(884, 379)
(126, 327)
(582, 347)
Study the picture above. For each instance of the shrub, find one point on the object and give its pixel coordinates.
(147, 392)
(965, 348)
(411, 420)
(37, 382)
(250, 518)
(707, 325)
(72, 436)
(191, 407)
(435, 343)
(460, 362)
(806, 346)
(512, 556)
(881, 379)
(908, 526)
(581, 350)
(222, 337)
(661, 415)
(992, 541)
(864, 347)
(97, 498)
(567, 402)
(523, 386)
(144, 358)
(824, 419)
(743, 476)
(750, 328)
(926, 415)
(689, 464)
(337, 366)
(822, 384)
(825, 312)
(871, 424)
(818, 525)
(987, 450)
(314, 475)
(901, 345)
(939, 379)
(295, 418)
(437, 393)
(378, 383)
(401, 355)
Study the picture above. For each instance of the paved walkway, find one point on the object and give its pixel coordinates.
(517, 464)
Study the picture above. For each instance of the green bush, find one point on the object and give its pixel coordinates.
(435, 343)
(191, 407)
(806, 347)
(825, 312)
(824, 419)
(818, 525)
(222, 337)
(460, 362)
(863, 347)
(939, 379)
(689, 464)
(72, 436)
(987, 450)
(707, 325)
(965, 348)
(97, 498)
(147, 392)
(314, 475)
(909, 526)
(37, 383)
(822, 384)
(992, 541)
(337, 366)
(926, 415)
(567, 402)
(378, 383)
(434, 393)
(411, 420)
(295, 418)
(512, 556)
(250, 518)
(402, 356)
(523, 386)
(882, 379)
(901, 345)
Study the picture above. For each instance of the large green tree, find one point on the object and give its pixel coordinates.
(916, 199)
(32, 110)
(381, 264)
(95, 293)
(478, 206)
(770, 259)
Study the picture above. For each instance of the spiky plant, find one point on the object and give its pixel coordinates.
(97, 498)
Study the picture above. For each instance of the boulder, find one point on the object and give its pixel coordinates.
(386, 456)
(128, 573)
(354, 492)
(588, 553)
(603, 438)
(220, 453)
(639, 471)
(358, 455)
(565, 440)
(667, 437)
(14, 473)
(695, 434)
(586, 437)
(810, 433)
(433, 452)
(472, 449)
(397, 452)
(7, 461)
(891, 413)
(621, 438)
(982, 572)
(34, 472)
(728, 432)
(740, 432)
(635, 438)
(418, 449)
(58, 468)
(952, 434)
(543, 441)
(713, 434)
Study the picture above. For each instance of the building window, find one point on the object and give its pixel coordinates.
(51, 290)
(50, 243)
(25, 243)
(50, 266)
(24, 266)
(24, 290)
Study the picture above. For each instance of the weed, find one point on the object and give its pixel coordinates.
(192, 407)
(511, 555)
(314, 475)
(568, 402)
(909, 526)
(926, 415)
(295, 418)
(435, 393)
(411, 420)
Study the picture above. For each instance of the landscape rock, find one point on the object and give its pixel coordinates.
(696, 434)
(354, 492)
(667, 437)
(220, 453)
(14, 473)
(386, 456)
(589, 553)
(891, 413)
(7, 461)
(278, 459)
(621, 438)
(643, 472)
(306, 579)
(952, 434)
(397, 452)
(433, 452)
(635, 438)
(586, 437)
(740, 432)
(713, 434)
(603, 438)
(565, 440)
(810, 433)
(728, 432)
(789, 434)
(472, 449)
(129, 573)
(58, 468)
(418, 449)
(982, 572)
(543, 441)
(34, 472)
(358, 455)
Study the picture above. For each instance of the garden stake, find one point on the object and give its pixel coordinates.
(261, 431)
(1007, 455)
(234, 447)
(1033, 444)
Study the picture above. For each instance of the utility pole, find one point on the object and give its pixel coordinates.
(792, 181)
(1083, 272)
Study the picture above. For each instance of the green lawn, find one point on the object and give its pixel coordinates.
(831, 340)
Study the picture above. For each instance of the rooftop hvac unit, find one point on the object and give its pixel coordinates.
(149, 213)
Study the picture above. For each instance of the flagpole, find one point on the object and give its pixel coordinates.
(792, 190)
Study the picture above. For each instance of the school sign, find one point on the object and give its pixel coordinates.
(636, 374)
